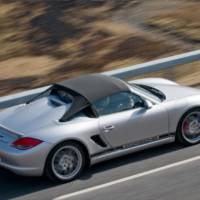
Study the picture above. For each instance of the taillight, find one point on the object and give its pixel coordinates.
(26, 143)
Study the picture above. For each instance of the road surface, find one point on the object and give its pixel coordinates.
(159, 173)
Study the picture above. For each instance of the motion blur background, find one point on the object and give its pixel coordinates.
(43, 41)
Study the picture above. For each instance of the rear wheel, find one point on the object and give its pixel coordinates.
(189, 128)
(65, 162)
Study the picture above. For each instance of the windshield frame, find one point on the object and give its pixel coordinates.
(145, 88)
(145, 93)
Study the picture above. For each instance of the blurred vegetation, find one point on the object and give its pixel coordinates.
(184, 23)
(46, 41)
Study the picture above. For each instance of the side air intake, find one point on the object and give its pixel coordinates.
(97, 139)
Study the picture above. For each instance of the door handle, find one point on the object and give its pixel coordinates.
(108, 128)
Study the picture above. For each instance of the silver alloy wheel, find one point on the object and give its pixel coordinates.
(67, 162)
(191, 127)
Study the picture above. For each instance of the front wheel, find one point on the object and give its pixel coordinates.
(188, 132)
(65, 162)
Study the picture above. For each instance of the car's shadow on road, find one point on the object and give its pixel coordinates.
(13, 186)
(131, 158)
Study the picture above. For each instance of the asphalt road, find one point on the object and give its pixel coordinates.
(180, 182)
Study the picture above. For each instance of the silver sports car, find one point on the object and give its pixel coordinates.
(93, 118)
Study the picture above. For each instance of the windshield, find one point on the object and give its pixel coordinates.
(151, 91)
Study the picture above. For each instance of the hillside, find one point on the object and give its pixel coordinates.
(46, 41)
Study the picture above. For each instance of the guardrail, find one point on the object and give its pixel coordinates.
(155, 65)
(123, 73)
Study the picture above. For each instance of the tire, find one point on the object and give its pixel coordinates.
(61, 160)
(185, 134)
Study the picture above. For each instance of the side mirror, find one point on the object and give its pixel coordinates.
(148, 104)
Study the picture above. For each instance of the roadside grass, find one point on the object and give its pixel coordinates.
(42, 42)
(184, 23)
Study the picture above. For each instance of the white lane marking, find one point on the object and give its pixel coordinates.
(98, 187)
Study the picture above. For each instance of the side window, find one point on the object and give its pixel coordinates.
(118, 102)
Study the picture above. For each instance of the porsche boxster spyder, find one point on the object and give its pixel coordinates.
(93, 118)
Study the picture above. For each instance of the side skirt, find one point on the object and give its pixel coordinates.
(124, 150)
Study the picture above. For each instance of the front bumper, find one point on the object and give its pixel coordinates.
(24, 162)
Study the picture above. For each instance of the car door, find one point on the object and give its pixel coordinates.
(131, 122)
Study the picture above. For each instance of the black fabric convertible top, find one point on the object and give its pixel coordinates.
(87, 89)
(95, 86)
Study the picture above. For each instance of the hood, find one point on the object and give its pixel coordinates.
(150, 81)
(173, 92)
(171, 89)
(27, 118)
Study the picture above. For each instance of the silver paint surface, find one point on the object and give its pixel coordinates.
(39, 119)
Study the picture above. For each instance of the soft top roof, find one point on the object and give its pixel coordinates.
(95, 86)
